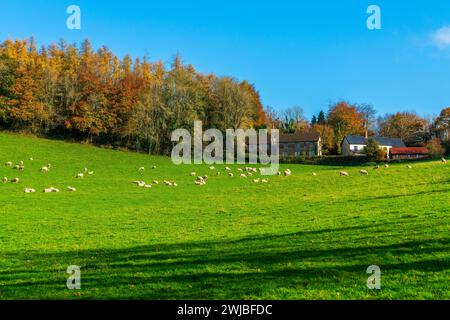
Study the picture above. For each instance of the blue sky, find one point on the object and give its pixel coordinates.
(297, 53)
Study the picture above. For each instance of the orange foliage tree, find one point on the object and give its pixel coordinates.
(345, 119)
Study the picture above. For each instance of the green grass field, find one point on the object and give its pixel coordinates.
(298, 237)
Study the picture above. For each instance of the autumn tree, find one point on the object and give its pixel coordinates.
(294, 120)
(368, 114)
(326, 136)
(442, 124)
(7, 81)
(273, 120)
(20, 86)
(258, 115)
(345, 119)
(435, 148)
(407, 126)
(232, 103)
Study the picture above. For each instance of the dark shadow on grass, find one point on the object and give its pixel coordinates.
(249, 267)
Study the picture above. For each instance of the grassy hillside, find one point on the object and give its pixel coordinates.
(298, 237)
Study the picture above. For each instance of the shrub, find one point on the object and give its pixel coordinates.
(373, 151)
(435, 148)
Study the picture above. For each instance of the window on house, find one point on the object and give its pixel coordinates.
(355, 148)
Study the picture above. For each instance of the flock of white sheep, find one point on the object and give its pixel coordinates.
(244, 173)
(365, 172)
(145, 185)
(45, 169)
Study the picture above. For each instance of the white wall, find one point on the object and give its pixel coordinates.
(349, 149)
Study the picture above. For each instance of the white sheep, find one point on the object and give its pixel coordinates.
(287, 173)
(193, 174)
(155, 182)
(31, 159)
(314, 174)
(243, 175)
(228, 168)
(364, 172)
(256, 180)
(148, 186)
(386, 165)
(443, 160)
(240, 170)
(139, 183)
(212, 168)
(50, 190)
(9, 164)
(71, 189)
(5, 179)
(80, 176)
(21, 163)
(15, 180)
(409, 167)
(231, 174)
(141, 169)
(265, 181)
(29, 190)
(168, 183)
(45, 169)
(154, 167)
(344, 173)
(90, 173)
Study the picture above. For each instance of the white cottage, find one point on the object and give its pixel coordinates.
(355, 145)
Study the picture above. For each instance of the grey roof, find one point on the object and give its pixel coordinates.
(394, 142)
(384, 141)
(356, 139)
(309, 136)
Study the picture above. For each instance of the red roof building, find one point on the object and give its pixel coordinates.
(409, 153)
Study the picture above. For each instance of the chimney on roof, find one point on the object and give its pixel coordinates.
(366, 134)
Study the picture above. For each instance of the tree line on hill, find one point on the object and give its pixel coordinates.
(77, 93)
(74, 92)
